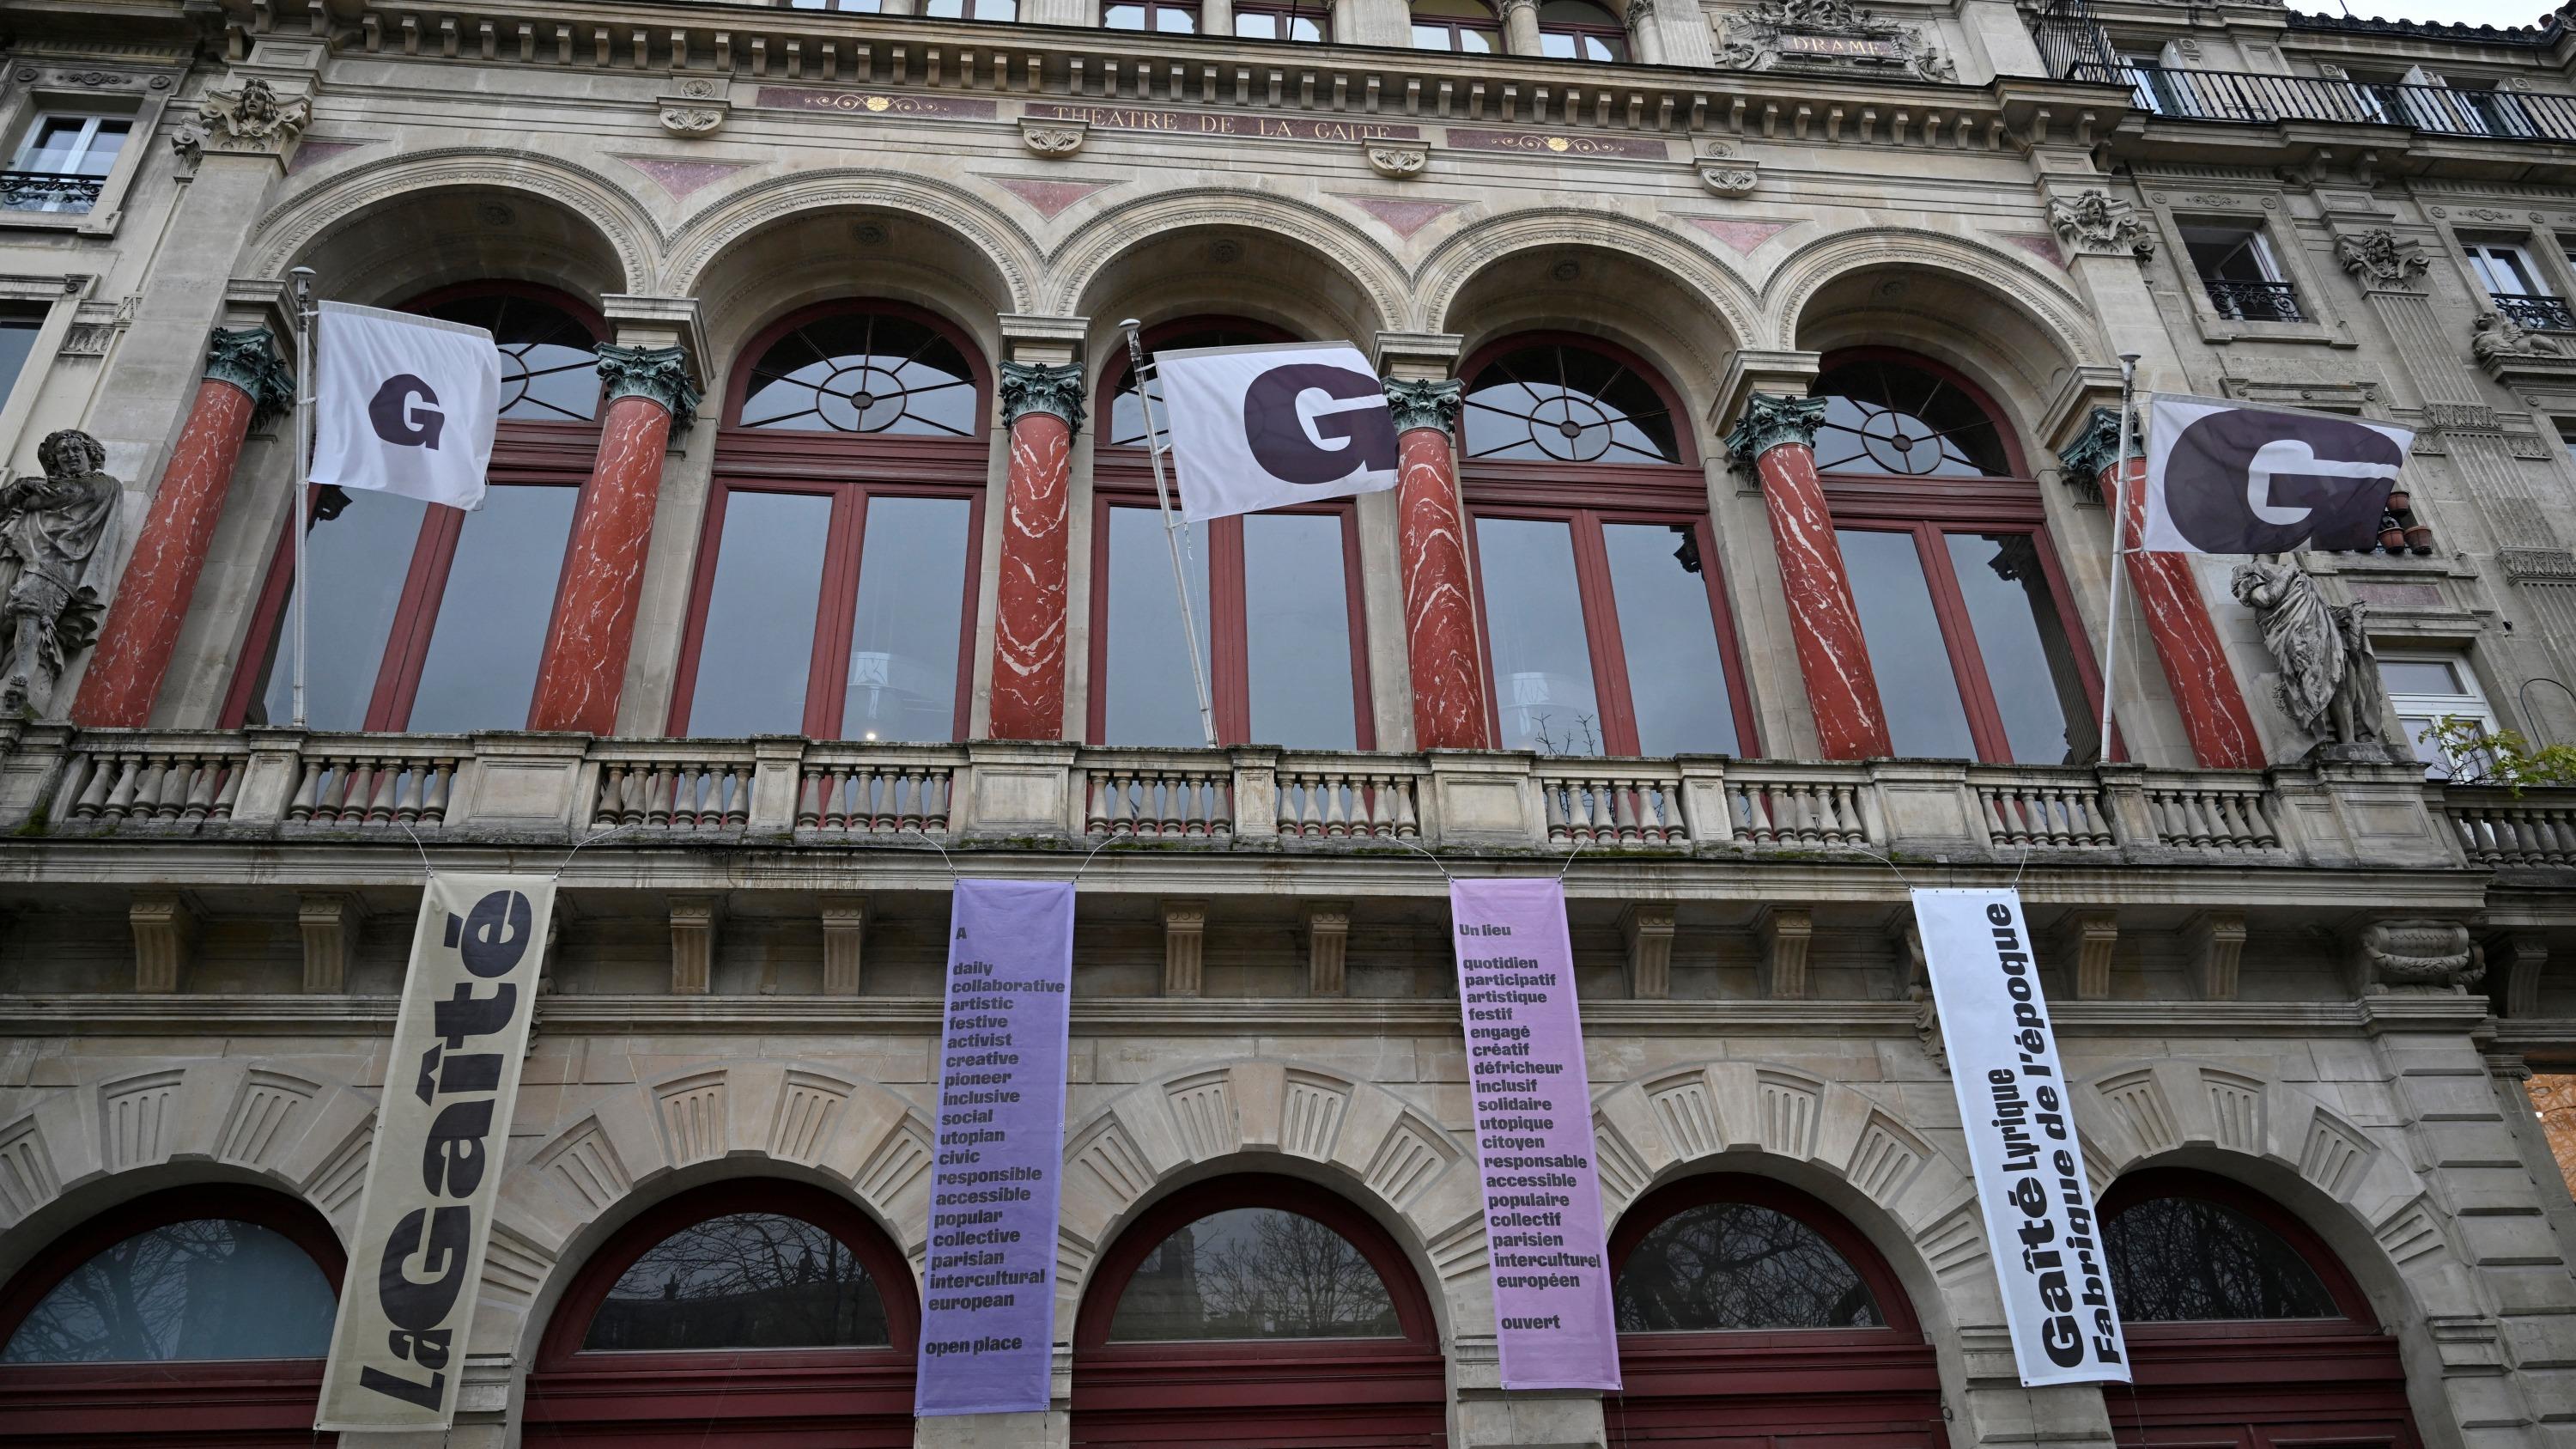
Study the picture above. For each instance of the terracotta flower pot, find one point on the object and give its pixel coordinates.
(2420, 539)
(2398, 502)
(2393, 539)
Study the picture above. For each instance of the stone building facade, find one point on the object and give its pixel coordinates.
(822, 561)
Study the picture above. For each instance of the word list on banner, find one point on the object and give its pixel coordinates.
(425, 1214)
(1533, 1104)
(2029, 1164)
(988, 1290)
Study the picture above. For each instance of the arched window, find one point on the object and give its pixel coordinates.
(1171, 17)
(1976, 650)
(173, 1313)
(424, 617)
(733, 1311)
(835, 587)
(1256, 1299)
(1605, 620)
(1747, 1303)
(1580, 30)
(1293, 671)
(2242, 1325)
(1467, 25)
(1310, 21)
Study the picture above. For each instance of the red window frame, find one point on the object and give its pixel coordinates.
(1122, 477)
(858, 1397)
(1392, 1390)
(1613, 36)
(1584, 496)
(849, 470)
(154, 1403)
(1288, 12)
(1875, 1386)
(525, 454)
(1927, 507)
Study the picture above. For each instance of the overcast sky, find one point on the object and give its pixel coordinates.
(2453, 12)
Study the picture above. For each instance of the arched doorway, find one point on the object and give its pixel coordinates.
(2243, 1327)
(752, 1311)
(1256, 1312)
(1751, 1314)
(200, 1315)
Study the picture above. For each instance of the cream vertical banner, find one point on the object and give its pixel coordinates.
(398, 1349)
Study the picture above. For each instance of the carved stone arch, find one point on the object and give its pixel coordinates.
(1387, 1155)
(1078, 261)
(1004, 244)
(2038, 294)
(1456, 263)
(340, 200)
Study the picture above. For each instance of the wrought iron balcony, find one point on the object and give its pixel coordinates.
(2254, 301)
(2214, 95)
(48, 191)
(2534, 314)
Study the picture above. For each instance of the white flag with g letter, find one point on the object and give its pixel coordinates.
(404, 404)
(1264, 427)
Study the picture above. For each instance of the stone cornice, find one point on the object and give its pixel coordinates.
(1038, 387)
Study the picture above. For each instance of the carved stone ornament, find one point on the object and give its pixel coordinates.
(1828, 35)
(247, 121)
(2329, 679)
(660, 374)
(2092, 451)
(1769, 421)
(1728, 176)
(1038, 387)
(2519, 357)
(2417, 956)
(1389, 158)
(693, 118)
(2382, 259)
(1053, 138)
(247, 358)
(1430, 403)
(2097, 224)
(56, 529)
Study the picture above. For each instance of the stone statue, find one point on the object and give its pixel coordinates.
(2329, 685)
(54, 528)
(2495, 335)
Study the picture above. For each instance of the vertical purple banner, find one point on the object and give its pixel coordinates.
(988, 1291)
(1533, 1100)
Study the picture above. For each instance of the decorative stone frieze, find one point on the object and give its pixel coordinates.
(1728, 176)
(1424, 404)
(1037, 387)
(1832, 35)
(1056, 139)
(247, 359)
(2381, 260)
(2417, 955)
(1771, 420)
(248, 120)
(1396, 159)
(2095, 224)
(2538, 565)
(697, 108)
(658, 374)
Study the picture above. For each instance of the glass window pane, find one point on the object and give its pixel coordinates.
(211, 1288)
(1676, 674)
(357, 563)
(864, 372)
(2181, 1259)
(1254, 1273)
(1123, 17)
(1731, 1265)
(1431, 37)
(1921, 696)
(1151, 699)
(2030, 663)
(1542, 664)
(904, 647)
(744, 1280)
(1480, 42)
(1297, 628)
(482, 665)
(1173, 20)
(2419, 676)
(1559, 45)
(17, 339)
(1256, 25)
(759, 638)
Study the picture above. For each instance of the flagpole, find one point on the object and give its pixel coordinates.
(2119, 529)
(300, 281)
(1171, 527)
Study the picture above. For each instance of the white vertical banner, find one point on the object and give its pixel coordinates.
(2029, 1164)
(398, 1347)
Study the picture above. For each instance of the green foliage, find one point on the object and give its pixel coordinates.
(2503, 757)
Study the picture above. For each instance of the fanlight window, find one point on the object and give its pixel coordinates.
(1731, 1266)
(205, 1288)
(549, 370)
(863, 372)
(1254, 1273)
(742, 1281)
(1580, 30)
(1569, 405)
(2188, 1259)
(1464, 25)
(1885, 417)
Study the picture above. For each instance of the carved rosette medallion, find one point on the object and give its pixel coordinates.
(660, 374)
(1430, 403)
(1038, 387)
(1053, 138)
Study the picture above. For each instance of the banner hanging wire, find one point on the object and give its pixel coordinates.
(300, 287)
(1173, 530)
(932, 841)
(2119, 532)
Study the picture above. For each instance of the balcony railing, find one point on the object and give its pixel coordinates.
(2214, 95)
(48, 191)
(2254, 301)
(2534, 314)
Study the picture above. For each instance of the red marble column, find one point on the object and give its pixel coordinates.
(244, 382)
(1439, 603)
(583, 670)
(1776, 436)
(2214, 716)
(1043, 406)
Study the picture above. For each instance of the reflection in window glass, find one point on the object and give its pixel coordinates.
(2022, 639)
(2183, 1259)
(1731, 1265)
(744, 1280)
(1542, 664)
(17, 340)
(357, 561)
(1462, 25)
(210, 1288)
(1885, 417)
(1925, 718)
(1580, 30)
(1676, 674)
(904, 647)
(863, 372)
(759, 637)
(482, 666)
(1254, 1273)
(1297, 629)
(1151, 697)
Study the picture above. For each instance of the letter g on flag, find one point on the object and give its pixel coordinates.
(1299, 439)
(1272, 426)
(404, 412)
(2230, 479)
